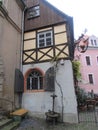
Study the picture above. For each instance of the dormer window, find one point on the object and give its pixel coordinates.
(94, 43)
(45, 39)
(33, 12)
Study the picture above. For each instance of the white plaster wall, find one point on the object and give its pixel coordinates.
(41, 102)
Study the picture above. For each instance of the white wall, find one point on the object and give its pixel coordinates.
(41, 102)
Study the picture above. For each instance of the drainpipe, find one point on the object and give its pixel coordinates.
(21, 46)
(21, 54)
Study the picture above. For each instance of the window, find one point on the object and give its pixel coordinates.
(88, 60)
(33, 12)
(97, 59)
(45, 39)
(35, 80)
(90, 76)
(95, 43)
(92, 42)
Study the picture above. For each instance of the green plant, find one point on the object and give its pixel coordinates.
(81, 96)
(76, 70)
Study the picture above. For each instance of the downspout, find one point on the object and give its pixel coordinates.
(21, 46)
(21, 54)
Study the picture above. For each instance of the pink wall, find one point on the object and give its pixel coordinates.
(92, 52)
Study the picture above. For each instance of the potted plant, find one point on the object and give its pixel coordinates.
(81, 98)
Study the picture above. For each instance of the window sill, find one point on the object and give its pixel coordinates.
(34, 91)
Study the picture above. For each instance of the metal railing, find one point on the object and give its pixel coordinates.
(88, 115)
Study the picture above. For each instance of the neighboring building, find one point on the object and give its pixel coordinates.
(89, 65)
(11, 13)
(47, 68)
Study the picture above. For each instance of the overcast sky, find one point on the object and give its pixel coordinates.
(84, 13)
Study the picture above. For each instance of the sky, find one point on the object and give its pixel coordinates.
(84, 13)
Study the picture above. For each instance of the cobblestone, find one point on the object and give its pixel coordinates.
(40, 124)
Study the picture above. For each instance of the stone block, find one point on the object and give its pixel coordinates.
(1, 88)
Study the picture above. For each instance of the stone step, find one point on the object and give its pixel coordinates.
(5, 122)
(4, 112)
(12, 126)
(2, 117)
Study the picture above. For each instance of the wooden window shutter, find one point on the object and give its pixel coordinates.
(49, 80)
(19, 81)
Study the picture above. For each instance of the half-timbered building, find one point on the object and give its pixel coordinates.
(47, 54)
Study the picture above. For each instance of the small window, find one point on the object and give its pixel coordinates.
(95, 43)
(45, 39)
(91, 81)
(88, 60)
(97, 59)
(92, 42)
(33, 12)
(35, 80)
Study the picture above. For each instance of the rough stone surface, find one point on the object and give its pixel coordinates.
(39, 124)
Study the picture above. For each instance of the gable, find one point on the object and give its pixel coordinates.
(49, 15)
(49, 18)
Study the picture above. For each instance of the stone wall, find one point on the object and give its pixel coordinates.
(1, 77)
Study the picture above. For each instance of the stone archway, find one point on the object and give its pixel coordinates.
(1, 77)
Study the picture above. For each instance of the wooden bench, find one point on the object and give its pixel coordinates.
(91, 103)
(19, 114)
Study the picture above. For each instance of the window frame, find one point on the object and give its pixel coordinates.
(95, 42)
(33, 12)
(91, 81)
(92, 42)
(97, 60)
(34, 80)
(45, 38)
(88, 63)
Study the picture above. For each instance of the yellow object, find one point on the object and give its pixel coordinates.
(19, 112)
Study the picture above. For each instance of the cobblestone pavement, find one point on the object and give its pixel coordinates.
(40, 124)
